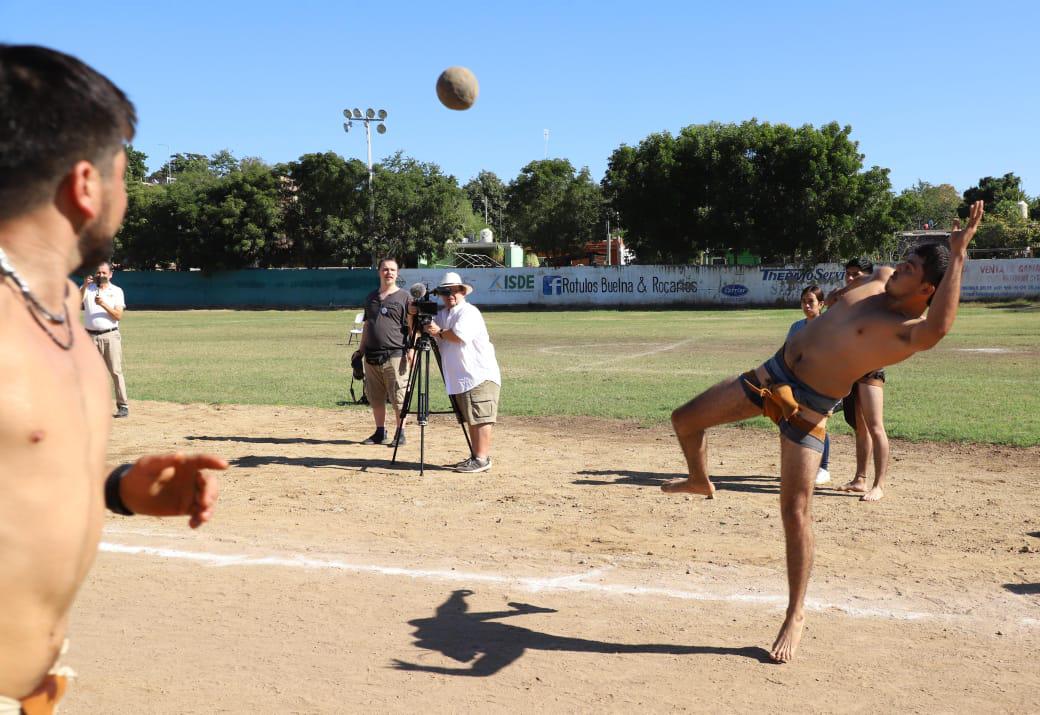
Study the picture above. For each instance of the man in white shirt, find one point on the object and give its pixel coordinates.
(103, 307)
(471, 373)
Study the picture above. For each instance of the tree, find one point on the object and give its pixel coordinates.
(779, 192)
(223, 163)
(993, 190)
(180, 164)
(1000, 231)
(417, 209)
(926, 205)
(551, 209)
(135, 165)
(136, 239)
(325, 201)
(487, 196)
(239, 219)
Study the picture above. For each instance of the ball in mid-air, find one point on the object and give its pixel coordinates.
(457, 88)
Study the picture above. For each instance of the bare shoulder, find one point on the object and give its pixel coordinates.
(882, 274)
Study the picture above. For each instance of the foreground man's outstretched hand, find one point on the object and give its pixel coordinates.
(173, 485)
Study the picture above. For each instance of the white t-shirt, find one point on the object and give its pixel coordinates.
(94, 316)
(471, 362)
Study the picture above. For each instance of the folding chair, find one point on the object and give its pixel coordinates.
(359, 320)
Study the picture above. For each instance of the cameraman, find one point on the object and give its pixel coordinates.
(384, 345)
(471, 373)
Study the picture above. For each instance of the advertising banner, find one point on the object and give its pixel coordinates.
(1001, 279)
(633, 286)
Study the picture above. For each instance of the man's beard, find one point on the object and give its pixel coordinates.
(96, 241)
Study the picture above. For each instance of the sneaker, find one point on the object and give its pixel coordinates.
(399, 442)
(378, 437)
(474, 465)
(122, 412)
(823, 477)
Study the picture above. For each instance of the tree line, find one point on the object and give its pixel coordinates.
(779, 192)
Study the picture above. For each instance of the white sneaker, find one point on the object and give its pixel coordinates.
(823, 477)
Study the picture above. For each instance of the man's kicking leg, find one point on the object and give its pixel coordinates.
(721, 404)
(798, 467)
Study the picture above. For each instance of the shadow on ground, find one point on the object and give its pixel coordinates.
(268, 440)
(354, 465)
(489, 647)
(751, 483)
(1024, 589)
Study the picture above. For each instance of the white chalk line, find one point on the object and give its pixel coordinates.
(553, 350)
(571, 583)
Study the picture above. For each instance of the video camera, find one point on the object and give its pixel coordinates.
(425, 302)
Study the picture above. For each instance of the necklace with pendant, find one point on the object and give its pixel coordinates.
(36, 308)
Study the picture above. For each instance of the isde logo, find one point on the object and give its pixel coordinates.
(513, 282)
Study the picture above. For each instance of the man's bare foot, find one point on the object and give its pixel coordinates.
(787, 640)
(874, 494)
(691, 485)
(858, 484)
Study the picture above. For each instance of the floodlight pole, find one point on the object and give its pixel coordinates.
(368, 117)
(368, 140)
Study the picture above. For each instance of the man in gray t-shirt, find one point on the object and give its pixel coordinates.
(384, 343)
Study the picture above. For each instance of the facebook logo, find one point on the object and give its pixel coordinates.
(552, 285)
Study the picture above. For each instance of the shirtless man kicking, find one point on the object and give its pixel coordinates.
(879, 320)
(62, 197)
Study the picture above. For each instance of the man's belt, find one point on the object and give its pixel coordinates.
(102, 332)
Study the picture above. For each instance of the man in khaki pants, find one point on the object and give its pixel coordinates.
(103, 307)
(384, 344)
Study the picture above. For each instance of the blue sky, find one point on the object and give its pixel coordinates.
(937, 91)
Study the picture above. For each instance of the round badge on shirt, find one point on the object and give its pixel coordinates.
(383, 310)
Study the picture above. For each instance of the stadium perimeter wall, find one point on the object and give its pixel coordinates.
(575, 287)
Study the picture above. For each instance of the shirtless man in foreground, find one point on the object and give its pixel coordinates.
(62, 198)
(876, 321)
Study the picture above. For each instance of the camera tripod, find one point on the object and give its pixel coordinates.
(419, 382)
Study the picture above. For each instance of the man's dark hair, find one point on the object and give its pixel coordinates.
(861, 263)
(384, 259)
(54, 111)
(935, 257)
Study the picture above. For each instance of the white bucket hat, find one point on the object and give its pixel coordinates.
(452, 279)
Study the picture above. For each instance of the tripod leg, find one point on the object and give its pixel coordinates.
(406, 405)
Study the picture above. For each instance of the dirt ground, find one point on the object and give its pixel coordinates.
(334, 581)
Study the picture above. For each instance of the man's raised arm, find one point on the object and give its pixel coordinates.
(947, 296)
(880, 274)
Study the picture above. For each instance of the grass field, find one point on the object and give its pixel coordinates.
(977, 385)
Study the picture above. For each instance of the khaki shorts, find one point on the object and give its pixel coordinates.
(387, 380)
(479, 406)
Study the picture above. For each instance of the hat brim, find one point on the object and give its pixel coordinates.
(467, 286)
